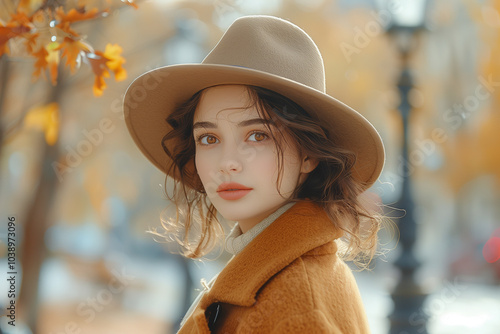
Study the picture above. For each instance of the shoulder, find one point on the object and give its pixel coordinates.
(314, 274)
(286, 301)
(315, 293)
(290, 291)
(317, 289)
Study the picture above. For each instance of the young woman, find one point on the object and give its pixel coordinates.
(250, 134)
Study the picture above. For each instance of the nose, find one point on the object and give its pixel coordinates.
(230, 166)
(230, 162)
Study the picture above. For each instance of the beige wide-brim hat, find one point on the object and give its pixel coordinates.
(256, 50)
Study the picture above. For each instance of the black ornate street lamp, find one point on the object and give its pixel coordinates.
(406, 19)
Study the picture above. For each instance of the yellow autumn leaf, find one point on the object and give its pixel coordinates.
(103, 62)
(53, 60)
(47, 57)
(100, 84)
(44, 118)
(115, 62)
(29, 6)
(72, 50)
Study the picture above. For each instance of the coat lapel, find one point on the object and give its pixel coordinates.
(201, 321)
(300, 229)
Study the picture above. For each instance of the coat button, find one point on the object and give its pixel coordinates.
(211, 314)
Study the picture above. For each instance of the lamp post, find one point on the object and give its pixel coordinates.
(406, 19)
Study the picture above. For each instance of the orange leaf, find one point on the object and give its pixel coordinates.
(19, 19)
(46, 119)
(65, 20)
(24, 5)
(38, 17)
(5, 35)
(8, 32)
(28, 6)
(19, 24)
(102, 62)
(31, 41)
(99, 85)
(131, 3)
(115, 62)
(72, 50)
(47, 57)
(98, 62)
(53, 60)
(76, 15)
(41, 62)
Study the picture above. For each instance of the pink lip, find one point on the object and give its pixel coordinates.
(232, 191)
(232, 186)
(232, 195)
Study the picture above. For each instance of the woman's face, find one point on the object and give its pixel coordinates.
(232, 145)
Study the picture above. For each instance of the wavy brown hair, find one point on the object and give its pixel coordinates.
(195, 225)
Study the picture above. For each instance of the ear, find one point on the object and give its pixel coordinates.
(308, 165)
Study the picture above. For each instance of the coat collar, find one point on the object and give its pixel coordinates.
(300, 229)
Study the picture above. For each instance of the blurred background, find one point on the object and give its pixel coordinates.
(80, 196)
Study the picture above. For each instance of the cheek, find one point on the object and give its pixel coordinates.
(291, 169)
(265, 163)
(203, 166)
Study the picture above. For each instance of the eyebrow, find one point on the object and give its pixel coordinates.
(241, 124)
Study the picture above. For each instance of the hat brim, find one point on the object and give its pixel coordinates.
(155, 94)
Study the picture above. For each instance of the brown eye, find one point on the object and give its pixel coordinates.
(259, 136)
(209, 140)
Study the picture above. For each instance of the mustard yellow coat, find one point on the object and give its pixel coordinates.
(289, 279)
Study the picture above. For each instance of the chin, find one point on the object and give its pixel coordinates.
(231, 213)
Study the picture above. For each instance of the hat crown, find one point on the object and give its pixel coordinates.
(272, 45)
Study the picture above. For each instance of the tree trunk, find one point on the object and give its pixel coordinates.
(33, 250)
(4, 77)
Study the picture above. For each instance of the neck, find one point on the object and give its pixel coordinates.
(237, 240)
(248, 224)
